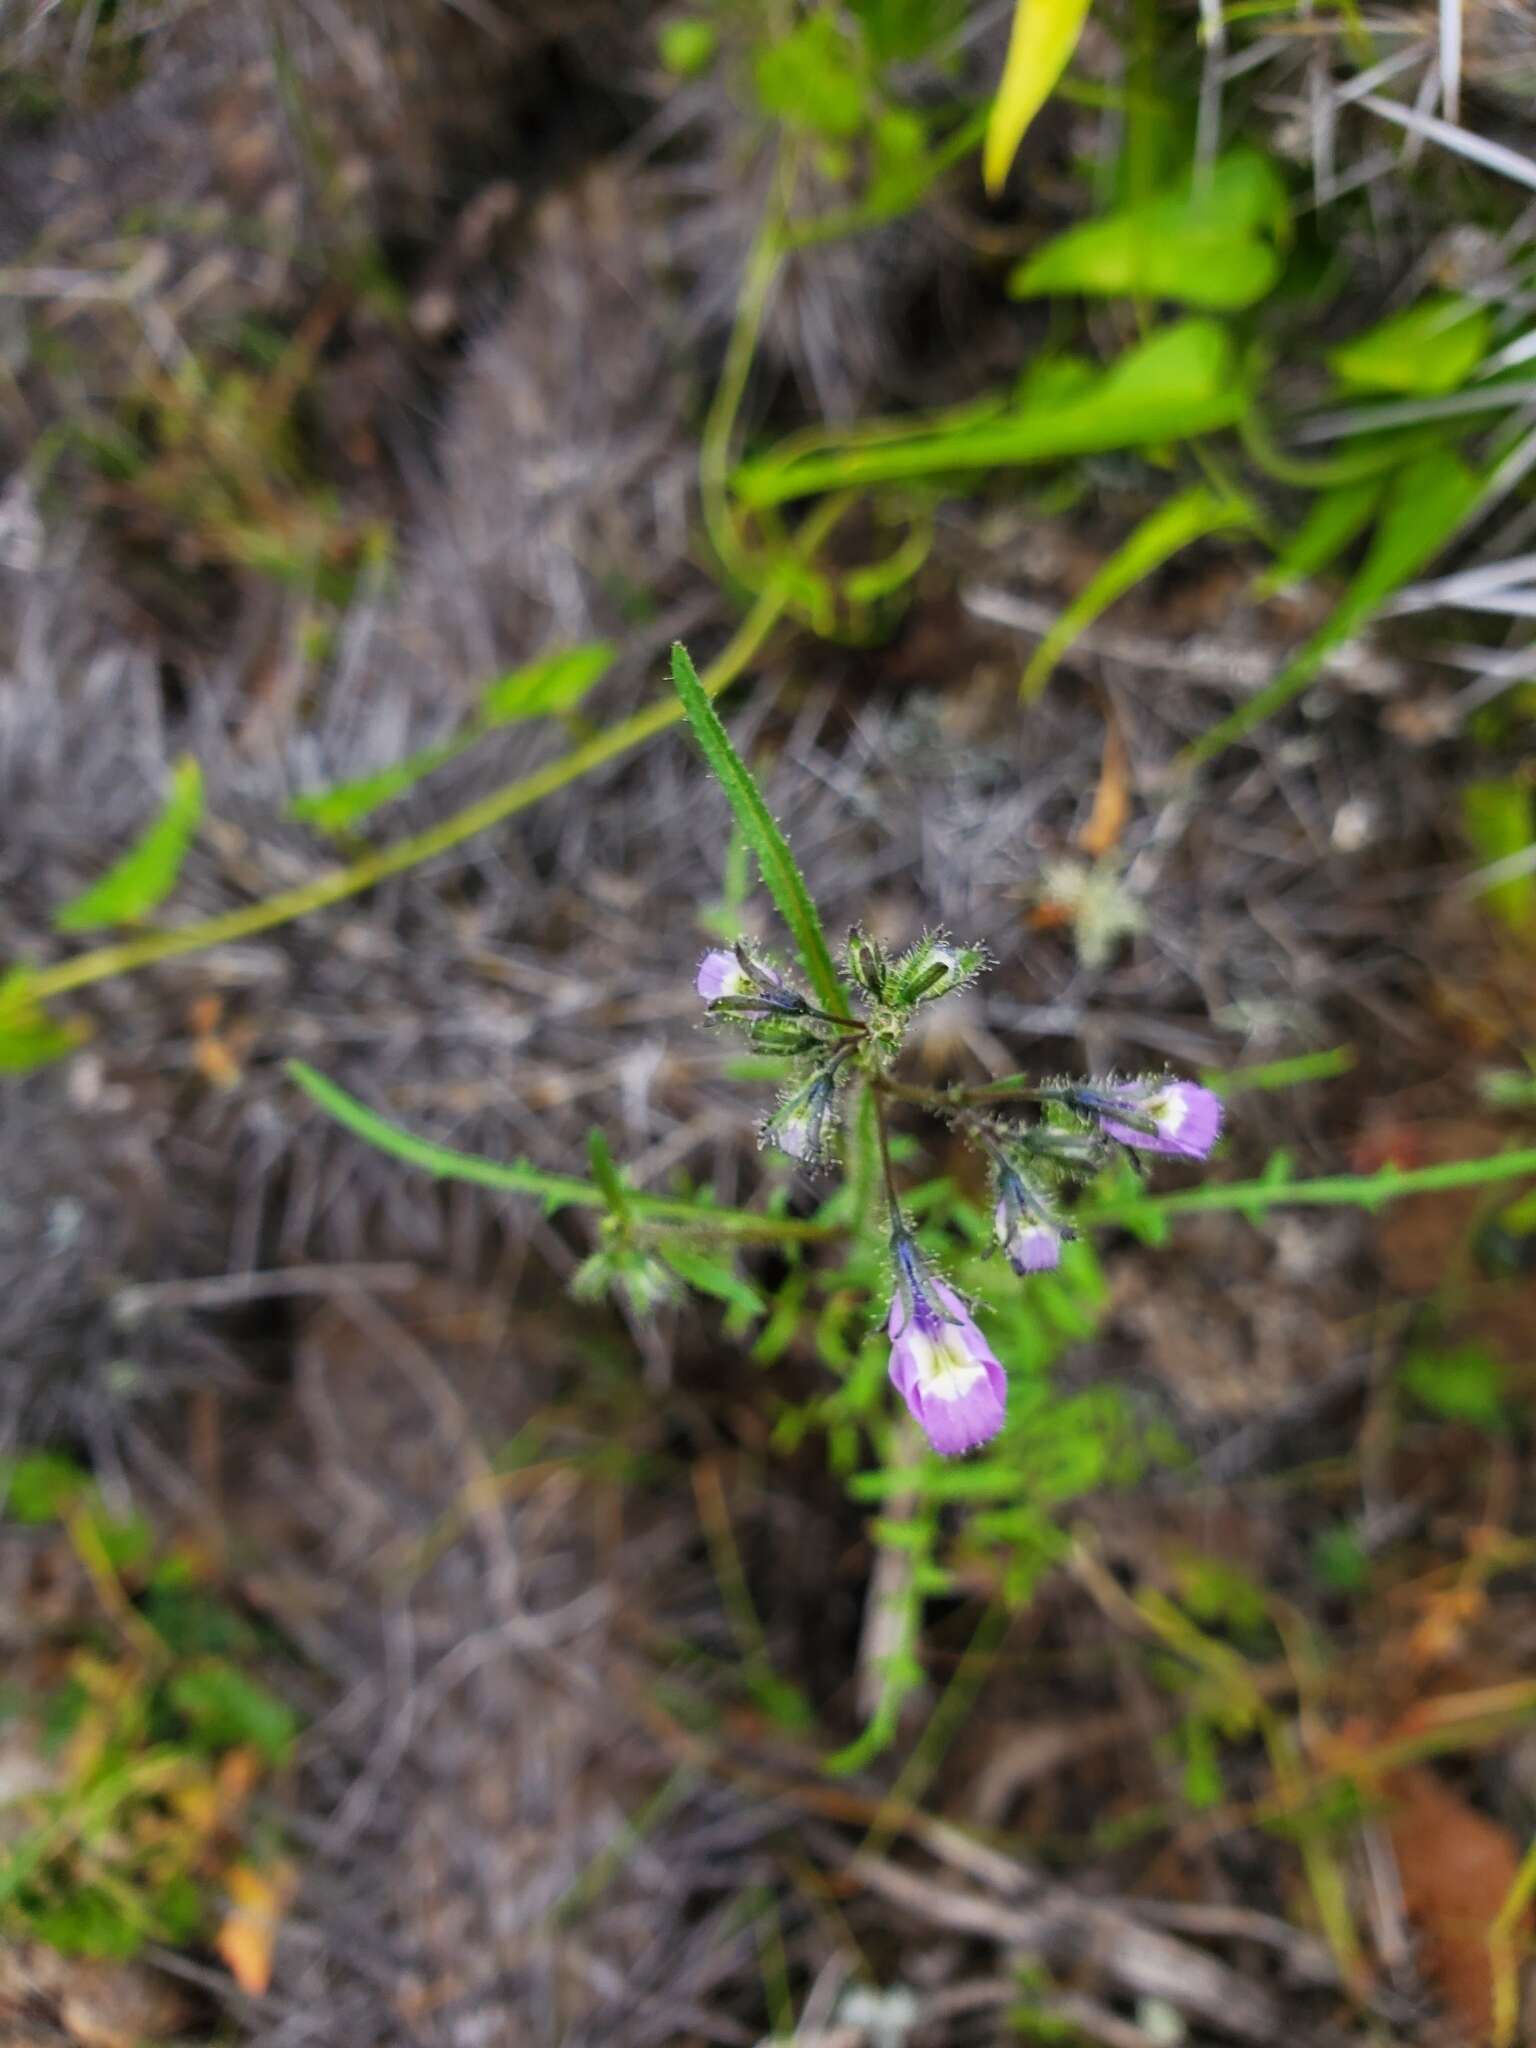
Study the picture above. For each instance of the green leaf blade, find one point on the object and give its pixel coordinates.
(782, 877)
(146, 874)
(1210, 244)
(550, 687)
(1176, 525)
(1040, 46)
(1430, 349)
(1184, 379)
(348, 803)
(29, 1037)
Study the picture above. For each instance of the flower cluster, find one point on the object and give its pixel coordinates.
(940, 1363)
(744, 988)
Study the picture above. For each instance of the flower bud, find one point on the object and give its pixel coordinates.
(867, 963)
(933, 967)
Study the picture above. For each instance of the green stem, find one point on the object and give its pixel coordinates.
(521, 1177)
(1344, 1190)
(127, 955)
(762, 268)
(893, 1198)
(1315, 473)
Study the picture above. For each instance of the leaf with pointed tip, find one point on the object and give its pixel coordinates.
(784, 880)
(1183, 379)
(1044, 35)
(147, 873)
(29, 1037)
(550, 687)
(348, 803)
(1175, 525)
(1430, 349)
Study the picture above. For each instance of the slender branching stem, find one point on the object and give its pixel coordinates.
(886, 1168)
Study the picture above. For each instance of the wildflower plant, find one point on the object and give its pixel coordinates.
(842, 1039)
(961, 1305)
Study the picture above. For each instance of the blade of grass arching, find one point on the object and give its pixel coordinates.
(778, 1696)
(951, 1712)
(1425, 506)
(521, 1177)
(1178, 524)
(776, 863)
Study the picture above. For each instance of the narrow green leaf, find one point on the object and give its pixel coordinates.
(29, 1037)
(1344, 1190)
(1210, 243)
(606, 1174)
(348, 803)
(1175, 525)
(1425, 505)
(147, 872)
(1334, 518)
(776, 863)
(1044, 35)
(1183, 379)
(708, 1273)
(1276, 1074)
(550, 687)
(1431, 349)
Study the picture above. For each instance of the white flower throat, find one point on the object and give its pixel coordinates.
(944, 1368)
(1169, 1111)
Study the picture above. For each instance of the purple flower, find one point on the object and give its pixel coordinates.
(1172, 1117)
(1032, 1244)
(721, 974)
(940, 1363)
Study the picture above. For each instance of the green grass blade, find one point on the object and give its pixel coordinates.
(784, 880)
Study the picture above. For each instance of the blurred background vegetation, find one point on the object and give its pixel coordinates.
(1105, 510)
